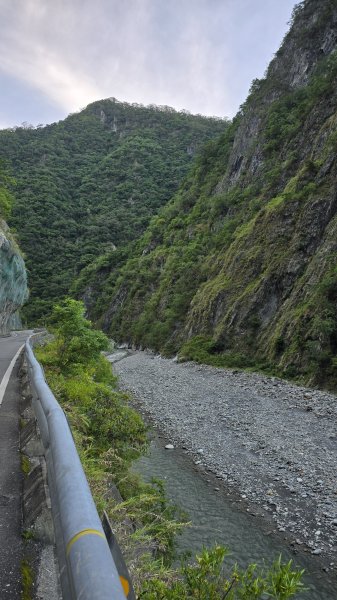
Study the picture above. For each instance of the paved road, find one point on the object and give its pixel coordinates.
(10, 472)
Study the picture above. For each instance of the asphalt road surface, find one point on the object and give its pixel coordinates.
(10, 469)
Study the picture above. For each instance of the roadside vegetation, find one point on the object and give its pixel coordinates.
(109, 436)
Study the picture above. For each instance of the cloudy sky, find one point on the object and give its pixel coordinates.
(56, 56)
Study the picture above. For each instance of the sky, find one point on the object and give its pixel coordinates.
(57, 56)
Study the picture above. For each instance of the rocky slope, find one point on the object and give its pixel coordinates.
(13, 281)
(240, 267)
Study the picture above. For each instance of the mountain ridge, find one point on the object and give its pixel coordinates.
(91, 182)
(238, 268)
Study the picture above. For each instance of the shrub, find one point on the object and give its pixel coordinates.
(208, 580)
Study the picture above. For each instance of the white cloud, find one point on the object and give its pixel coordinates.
(177, 52)
(29, 53)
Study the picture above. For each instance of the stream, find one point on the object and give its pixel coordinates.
(253, 463)
(216, 518)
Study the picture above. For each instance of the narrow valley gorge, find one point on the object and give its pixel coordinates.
(198, 255)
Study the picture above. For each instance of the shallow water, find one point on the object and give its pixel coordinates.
(217, 518)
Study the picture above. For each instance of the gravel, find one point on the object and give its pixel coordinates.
(272, 442)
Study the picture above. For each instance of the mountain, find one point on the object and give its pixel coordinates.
(240, 267)
(90, 184)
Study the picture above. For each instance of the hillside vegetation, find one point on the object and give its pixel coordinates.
(90, 183)
(240, 267)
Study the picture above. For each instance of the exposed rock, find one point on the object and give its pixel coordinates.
(13, 281)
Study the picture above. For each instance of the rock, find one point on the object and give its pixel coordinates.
(13, 281)
(169, 447)
(317, 551)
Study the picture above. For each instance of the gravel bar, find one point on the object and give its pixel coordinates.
(272, 442)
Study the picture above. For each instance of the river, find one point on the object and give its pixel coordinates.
(254, 485)
(216, 518)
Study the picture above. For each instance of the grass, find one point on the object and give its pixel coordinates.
(27, 580)
(25, 465)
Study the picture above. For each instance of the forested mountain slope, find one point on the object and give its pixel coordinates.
(91, 182)
(240, 268)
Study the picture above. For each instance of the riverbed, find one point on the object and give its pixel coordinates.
(270, 444)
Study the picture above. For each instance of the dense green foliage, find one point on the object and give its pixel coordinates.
(92, 182)
(6, 197)
(109, 435)
(77, 343)
(244, 254)
(208, 580)
(82, 379)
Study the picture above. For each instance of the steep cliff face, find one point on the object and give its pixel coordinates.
(241, 265)
(311, 39)
(13, 281)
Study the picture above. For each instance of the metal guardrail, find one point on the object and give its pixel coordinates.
(87, 568)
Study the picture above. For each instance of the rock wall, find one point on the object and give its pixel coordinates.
(13, 281)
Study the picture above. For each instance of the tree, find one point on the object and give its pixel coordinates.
(6, 197)
(78, 342)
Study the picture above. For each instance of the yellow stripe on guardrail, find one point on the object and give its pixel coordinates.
(80, 534)
(125, 585)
